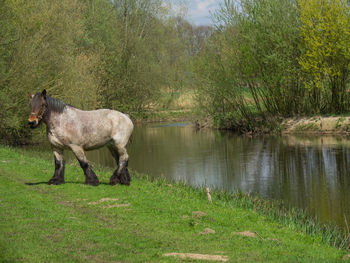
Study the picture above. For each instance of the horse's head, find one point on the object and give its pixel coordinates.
(38, 107)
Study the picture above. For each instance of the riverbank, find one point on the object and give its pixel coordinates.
(317, 124)
(323, 125)
(150, 221)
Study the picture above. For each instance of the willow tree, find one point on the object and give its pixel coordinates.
(250, 64)
(326, 56)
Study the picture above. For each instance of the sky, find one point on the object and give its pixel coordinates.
(199, 11)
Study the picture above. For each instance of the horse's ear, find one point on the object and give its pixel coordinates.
(30, 95)
(43, 93)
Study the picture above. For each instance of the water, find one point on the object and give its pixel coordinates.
(312, 173)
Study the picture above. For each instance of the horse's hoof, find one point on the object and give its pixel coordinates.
(125, 183)
(125, 179)
(114, 182)
(93, 183)
(56, 181)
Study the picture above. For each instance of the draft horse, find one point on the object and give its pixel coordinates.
(70, 128)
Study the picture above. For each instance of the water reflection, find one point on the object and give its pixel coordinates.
(307, 172)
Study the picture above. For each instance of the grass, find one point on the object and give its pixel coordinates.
(140, 223)
(166, 116)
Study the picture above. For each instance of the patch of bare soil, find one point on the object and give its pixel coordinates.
(198, 256)
(245, 234)
(199, 214)
(207, 231)
(107, 199)
(116, 205)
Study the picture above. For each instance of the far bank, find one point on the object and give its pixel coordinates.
(317, 124)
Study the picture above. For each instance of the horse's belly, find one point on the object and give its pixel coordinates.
(95, 145)
(94, 140)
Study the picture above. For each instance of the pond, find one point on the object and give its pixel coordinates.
(308, 172)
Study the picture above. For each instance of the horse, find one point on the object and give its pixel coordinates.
(70, 128)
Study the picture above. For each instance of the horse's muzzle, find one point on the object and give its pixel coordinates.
(33, 124)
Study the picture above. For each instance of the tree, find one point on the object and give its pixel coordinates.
(250, 64)
(139, 49)
(326, 58)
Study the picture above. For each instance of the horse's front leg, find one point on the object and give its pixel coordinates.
(58, 177)
(90, 176)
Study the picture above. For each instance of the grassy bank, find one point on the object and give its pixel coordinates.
(171, 106)
(139, 223)
(165, 116)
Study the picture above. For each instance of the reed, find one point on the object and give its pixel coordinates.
(292, 217)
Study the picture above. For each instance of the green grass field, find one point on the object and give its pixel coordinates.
(140, 223)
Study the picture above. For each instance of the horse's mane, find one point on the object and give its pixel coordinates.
(55, 104)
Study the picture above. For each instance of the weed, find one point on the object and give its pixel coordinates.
(307, 127)
(339, 122)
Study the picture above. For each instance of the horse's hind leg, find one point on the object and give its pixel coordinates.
(58, 177)
(90, 176)
(121, 174)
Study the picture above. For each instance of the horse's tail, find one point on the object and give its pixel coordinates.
(132, 132)
(132, 129)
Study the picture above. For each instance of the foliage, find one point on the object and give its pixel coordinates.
(140, 49)
(44, 55)
(250, 64)
(132, 75)
(326, 55)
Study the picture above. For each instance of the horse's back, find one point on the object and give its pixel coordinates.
(115, 120)
(108, 117)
